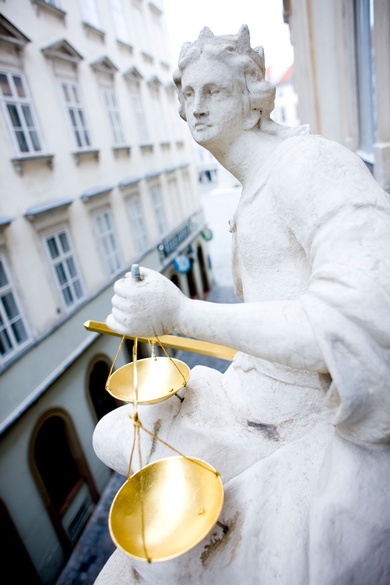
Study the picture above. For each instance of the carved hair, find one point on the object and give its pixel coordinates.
(235, 51)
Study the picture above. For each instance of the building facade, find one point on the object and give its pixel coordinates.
(342, 74)
(96, 173)
(286, 99)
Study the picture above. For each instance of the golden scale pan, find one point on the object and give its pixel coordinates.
(169, 506)
(158, 379)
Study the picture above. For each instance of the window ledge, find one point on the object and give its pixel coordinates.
(92, 194)
(146, 147)
(125, 45)
(49, 8)
(129, 182)
(20, 161)
(147, 57)
(5, 222)
(78, 155)
(121, 149)
(92, 29)
(59, 205)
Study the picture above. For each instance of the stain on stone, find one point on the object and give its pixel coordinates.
(271, 431)
(218, 539)
(156, 430)
(136, 576)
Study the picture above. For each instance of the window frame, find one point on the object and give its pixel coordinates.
(54, 233)
(53, 3)
(113, 114)
(158, 204)
(139, 113)
(87, 145)
(7, 323)
(88, 8)
(105, 238)
(137, 222)
(140, 27)
(365, 73)
(119, 20)
(20, 102)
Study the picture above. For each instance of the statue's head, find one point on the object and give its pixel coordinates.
(245, 64)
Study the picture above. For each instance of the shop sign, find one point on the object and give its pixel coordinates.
(207, 234)
(182, 264)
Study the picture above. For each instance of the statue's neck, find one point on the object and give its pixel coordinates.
(247, 154)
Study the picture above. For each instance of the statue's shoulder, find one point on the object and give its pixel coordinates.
(305, 156)
(316, 178)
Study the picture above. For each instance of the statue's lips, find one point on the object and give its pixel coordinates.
(201, 126)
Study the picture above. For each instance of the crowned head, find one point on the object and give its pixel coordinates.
(245, 63)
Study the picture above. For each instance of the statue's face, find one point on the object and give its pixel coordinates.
(213, 101)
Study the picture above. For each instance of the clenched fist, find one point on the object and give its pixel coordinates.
(145, 307)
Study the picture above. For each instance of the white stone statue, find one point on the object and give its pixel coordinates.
(299, 424)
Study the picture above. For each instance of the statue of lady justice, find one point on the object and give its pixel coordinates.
(299, 424)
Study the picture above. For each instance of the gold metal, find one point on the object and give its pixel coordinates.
(166, 508)
(158, 379)
(175, 342)
(169, 506)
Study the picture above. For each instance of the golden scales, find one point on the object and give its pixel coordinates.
(167, 507)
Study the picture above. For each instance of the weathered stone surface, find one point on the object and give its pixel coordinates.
(299, 424)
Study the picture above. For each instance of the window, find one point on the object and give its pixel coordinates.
(55, 3)
(140, 28)
(19, 112)
(159, 44)
(107, 241)
(364, 20)
(71, 96)
(111, 105)
(102, 401)
(139, 113)
(60, 463)
(159, 210)
(119, 20)
(90, 12)
(176, 204)
(64, 266)
(159, 116)
(137, 221)
(13, 333)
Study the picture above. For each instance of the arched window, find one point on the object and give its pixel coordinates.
(102, 401)
(62, 475)
(55, 462)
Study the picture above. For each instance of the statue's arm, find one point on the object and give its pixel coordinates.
(278, 331)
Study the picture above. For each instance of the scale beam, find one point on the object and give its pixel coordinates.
(175, 342)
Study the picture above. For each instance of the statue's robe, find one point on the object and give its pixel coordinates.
(304, 457)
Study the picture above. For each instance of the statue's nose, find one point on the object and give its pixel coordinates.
(199, 106)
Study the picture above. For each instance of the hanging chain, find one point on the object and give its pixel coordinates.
(169, 357)
(114, 362)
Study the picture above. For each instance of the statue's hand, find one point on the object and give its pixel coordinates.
(145, 307)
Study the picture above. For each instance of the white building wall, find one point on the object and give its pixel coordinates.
(326, 42)
(49, 371)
